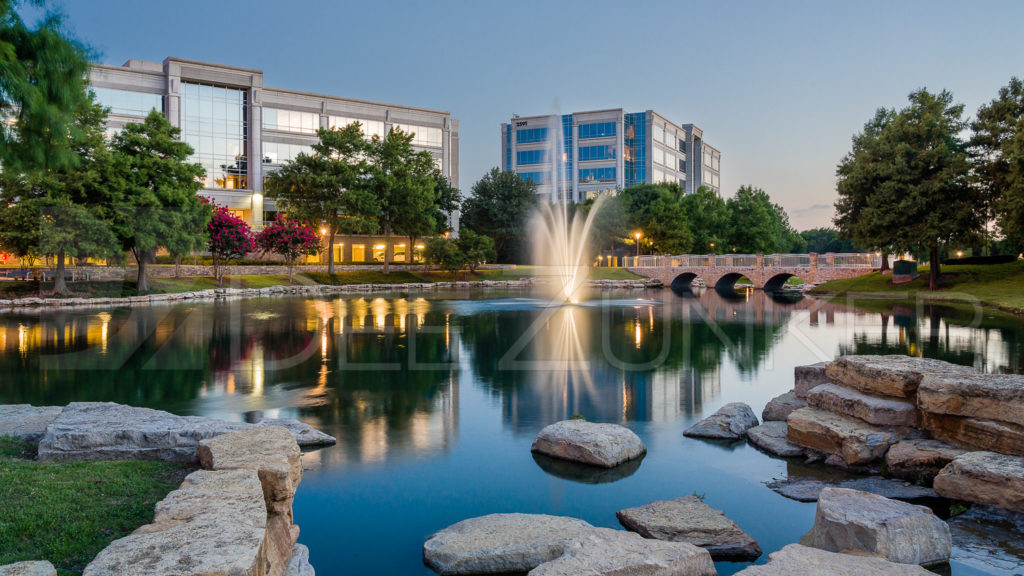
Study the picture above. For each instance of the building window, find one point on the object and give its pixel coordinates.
(531, 135)
(588, 153)
(359, 252)
(128, 102)
(214, 123)
(659, 133)
(682, 165)
(378, 252)
(291, 121)
(682, 145)
(714, 162)
(279, 153)
(400, 253)
(597, 130)
(369, 128)
(525, 157)
(536, 177)
(422, 135)
(707, 158)
(588, 175)
(659, 156)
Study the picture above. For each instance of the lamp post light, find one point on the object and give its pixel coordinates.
(959, 253)
(637, 235)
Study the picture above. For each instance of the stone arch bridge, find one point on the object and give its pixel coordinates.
(765, 271)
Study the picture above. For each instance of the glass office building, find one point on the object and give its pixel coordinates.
(585, 153)
(241, 130)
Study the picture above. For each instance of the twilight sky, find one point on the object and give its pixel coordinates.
(779, 87)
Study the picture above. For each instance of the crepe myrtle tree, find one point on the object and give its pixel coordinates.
(289, 239)
(230, 238)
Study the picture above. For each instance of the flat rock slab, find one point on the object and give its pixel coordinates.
(779, 408)
(855, 442)
(920, 460)
(305, 435)
(987, 435)
(870, 409)
(34, 568)
(109, 431)
(26, 423)
(998, 397)
(797, 560)
(605, 552)
(984, 478)
(805, 378)
(896, 376)
(299, 565)
(730, 422)
(690, 520)
(771, 437)
(500, 543)
(852, 522)
(592, 443)
(809, 489)
(988, 539)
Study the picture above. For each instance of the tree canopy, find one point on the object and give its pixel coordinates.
(997, 142)
(500, 207)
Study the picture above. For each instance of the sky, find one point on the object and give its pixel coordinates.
(779, 87)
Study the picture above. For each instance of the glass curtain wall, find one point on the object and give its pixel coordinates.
(214, 122)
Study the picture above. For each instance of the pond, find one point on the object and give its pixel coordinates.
(435, 400)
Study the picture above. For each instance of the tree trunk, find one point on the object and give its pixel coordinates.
(933, 268)
(59, 286)
(387, 246)
(291, 264)
(885, 262)
(330, 253)
(177, 266)
(142, 282)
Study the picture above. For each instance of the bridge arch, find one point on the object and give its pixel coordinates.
(727, 281)
(778, 281)
(684, 281)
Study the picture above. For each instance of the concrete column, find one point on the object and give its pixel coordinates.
(711, 260)
(812, 274)
(257, 210)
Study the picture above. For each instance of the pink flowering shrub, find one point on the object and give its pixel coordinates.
(230, 239)
(289, 239)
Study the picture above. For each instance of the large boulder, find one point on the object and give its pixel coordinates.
(805, 378)
(809, 489)
(108, 431)
(989, 435)
(919, 460)
(855, 522)
(605, 552)
(299, 565)
(731, 422)
(798, 560)
(771, 437)
(984, 478)
(33, 568)
(870, 409)
(690, 520)
(854, 442)
(604, 445)
(896, 376)
(500, 543)
(997, 397)
(779, 408)
(26, 423)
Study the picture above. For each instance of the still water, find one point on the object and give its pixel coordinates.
(435, 401)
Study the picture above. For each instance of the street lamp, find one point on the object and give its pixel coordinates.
(959, 253)
(637, 235)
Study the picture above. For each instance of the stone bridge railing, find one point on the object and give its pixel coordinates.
(764, 270)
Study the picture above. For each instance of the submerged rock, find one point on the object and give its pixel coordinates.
(730, 422)
(798, 560)
(855, 442)
(500, 543)
(690, 520)
(895, 376)
(33, 568)
(809, 489)
(851, 521)
(870, 409)
(605, 552)
(771, 437)
(779, 408)
(984, 478)
(26, 423)
(920, 460)
(605, 445)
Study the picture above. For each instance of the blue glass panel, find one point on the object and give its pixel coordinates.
(531, 135)
(588, 153)
(524, 157)
(535, 177)
(597, 130)
(588, 175)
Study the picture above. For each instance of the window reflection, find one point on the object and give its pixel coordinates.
(291, 121)
(597, 174)
(279, 153)
(128, 102)
(214, 123)
(597, 130)
(369, 128)
(422, 135)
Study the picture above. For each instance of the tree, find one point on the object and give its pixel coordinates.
(476, 248)
(610, 224)
(42, 87)
(329, 187)
(158, 205)
(708, 219)
(656, 212)
(753, 222)
(402, 182)
(449, 200)
(229, 238)
(824, 240)
(997, 143)
(289, 239)
(500, 207)
(443, 252)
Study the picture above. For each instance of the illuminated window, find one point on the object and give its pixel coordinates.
(359, 252)
(214, 123)
(399, 253)
(378, 253)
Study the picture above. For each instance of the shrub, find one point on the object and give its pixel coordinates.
(230, 239)
(289, 239)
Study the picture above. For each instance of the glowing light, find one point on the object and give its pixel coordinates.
(637, 334)
(323, 231)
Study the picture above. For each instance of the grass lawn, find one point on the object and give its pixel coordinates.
(67, 512)
(999, 285)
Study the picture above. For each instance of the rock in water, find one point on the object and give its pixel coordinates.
(870, 409)
(778, 408)
(771, 437)
(605, 552)
(895, 376)
(731, 422)
(299, 565)
(855, 442)
(984, 435)
(920, 460)
(805, 378)
(690, 520)
(852, 521)
(26, 423)
(809, 489)
(997, 397)
(28, 568)
(500, 543)
(984, 478)
(797, 560)
(605, 445)
(305, 435)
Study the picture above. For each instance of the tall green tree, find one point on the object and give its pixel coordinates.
(329, 188)
(500, 207)
(611, 222)
(656, 211)
(42, 87)
(753, 222)
(824, 240)
(449, 201)
(158, 201)
(708, 218)
(997, 142)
